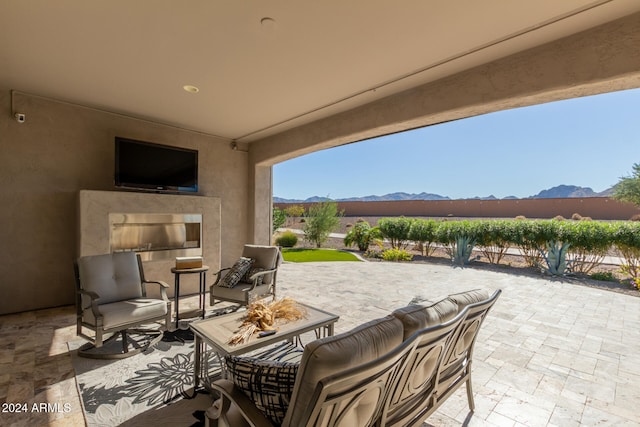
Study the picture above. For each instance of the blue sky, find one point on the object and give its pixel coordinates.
(589, 142)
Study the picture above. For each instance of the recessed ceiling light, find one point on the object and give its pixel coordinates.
(191, 88)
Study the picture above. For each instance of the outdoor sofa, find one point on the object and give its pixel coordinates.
(393, 371)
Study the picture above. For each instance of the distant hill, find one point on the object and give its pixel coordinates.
(565, 191)
(372, 198)
(560, 191)
(397, 196)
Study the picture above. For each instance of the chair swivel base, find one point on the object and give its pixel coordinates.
(178, 335)
(122, 345)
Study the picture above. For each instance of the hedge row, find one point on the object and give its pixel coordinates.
(588, 241)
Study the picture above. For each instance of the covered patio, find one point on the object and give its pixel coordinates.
(278, 81)
(551, 352)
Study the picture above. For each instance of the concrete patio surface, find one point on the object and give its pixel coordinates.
(550, 353)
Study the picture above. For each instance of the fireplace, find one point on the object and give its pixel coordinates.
(156, 236)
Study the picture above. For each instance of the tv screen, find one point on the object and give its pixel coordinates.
(143, 165)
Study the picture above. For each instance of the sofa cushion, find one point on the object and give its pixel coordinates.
(416, 317)
(464, 299)
(239, 269)
(269, 384)
(332, 355)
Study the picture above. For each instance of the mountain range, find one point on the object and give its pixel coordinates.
(560, 191)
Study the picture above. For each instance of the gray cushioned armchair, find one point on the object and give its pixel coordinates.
(259, 281)
(111, 298)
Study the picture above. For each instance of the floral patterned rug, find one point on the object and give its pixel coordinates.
(151, 388)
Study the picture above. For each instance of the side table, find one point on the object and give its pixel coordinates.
(187, 334)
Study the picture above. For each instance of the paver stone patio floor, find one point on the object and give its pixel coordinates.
(550, 353)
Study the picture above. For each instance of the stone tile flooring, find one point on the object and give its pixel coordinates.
(550, 353)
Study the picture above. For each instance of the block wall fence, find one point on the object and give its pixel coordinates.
(598, 208)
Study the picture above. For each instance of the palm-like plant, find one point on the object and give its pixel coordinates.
(362, 235)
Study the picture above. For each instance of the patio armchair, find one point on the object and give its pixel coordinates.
(111, 298)
(253, 276)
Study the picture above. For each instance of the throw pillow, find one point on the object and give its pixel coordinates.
(236, 272)
(247, 277)
(268, 383)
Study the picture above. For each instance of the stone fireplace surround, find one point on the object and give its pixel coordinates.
(95, 229)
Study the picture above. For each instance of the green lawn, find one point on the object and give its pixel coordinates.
(309, 255)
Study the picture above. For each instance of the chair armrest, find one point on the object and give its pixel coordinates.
(230, 394)
(163, 288)
(262, 273)
(255, 276)
(219, 276)
(94, 301)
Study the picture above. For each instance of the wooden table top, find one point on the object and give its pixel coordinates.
(217, 331)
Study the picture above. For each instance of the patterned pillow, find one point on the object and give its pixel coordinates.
(253, 270)
(239, 269)
(268, 383)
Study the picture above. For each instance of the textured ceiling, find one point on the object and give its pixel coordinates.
(311, 59)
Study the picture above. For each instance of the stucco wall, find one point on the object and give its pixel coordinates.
(62, 149)
(601, 208)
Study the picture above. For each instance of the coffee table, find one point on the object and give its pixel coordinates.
(213, 334)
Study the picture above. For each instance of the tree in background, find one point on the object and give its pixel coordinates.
(278, 217)
(628, 188)
(293, 211)
(321, 219)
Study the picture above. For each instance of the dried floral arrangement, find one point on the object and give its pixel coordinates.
(263, 317)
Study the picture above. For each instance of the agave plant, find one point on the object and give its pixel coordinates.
(556, 258)
(461, 252)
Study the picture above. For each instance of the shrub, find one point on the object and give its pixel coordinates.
(493, 237)
(320, 220)
(396, 255)
(558, 218)
(576, 216)
(590, 242)
(521, 217)
(635, 217)
(288, 239)
(531, 237)
(605, 276)
(447, 232)
(423, 232)
(278, 218)
(362, 235)
(372, 253)
(396, 230)
(626, 238)
(459, 238)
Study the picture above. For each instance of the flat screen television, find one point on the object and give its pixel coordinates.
(154, 167)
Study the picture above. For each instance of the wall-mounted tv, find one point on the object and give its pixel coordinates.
(147, 166)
